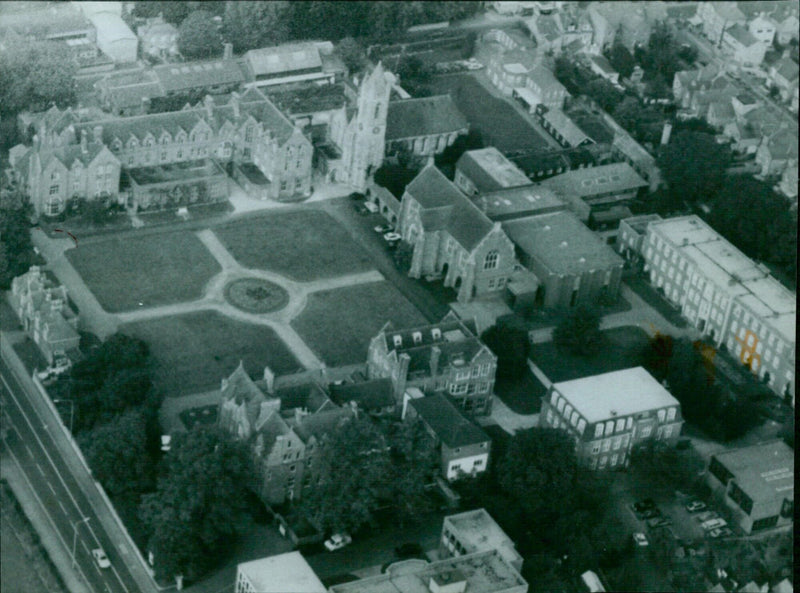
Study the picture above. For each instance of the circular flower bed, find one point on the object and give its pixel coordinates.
(256, 296)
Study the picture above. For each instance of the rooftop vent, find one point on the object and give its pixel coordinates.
(547, 227)
(582, 260)
(563, 243)
(613, 412)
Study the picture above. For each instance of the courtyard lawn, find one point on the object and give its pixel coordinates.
(497, 121)
(152, 269)
(303, 245)
(338, 324)
(193, 352)
(624, 348)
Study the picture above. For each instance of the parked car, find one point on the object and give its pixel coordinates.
(658, 522)
(650, 514)
(61, 363)
(713, 524)
(720, 532)
(371, 207)
(337, 541)
(383, 228)
(696, 506)
(640, 539)
(356, 196)
(101, 558)
(392, 238)
(647, 503)
(707, 516)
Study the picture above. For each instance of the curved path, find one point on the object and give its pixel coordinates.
(102, 323)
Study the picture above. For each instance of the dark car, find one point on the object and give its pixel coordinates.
(356, 196)
(411, 550)
(647, 503)
(361, 210)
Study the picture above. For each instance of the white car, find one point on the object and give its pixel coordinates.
(392, 237)
(640, 539)
(337, 542)
(714, 524)
(101, 558)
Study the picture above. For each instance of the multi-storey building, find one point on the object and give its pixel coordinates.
(756, 483)
(282, 573)
(476, 531)
(452, 238)
(741, 46)
(446, 357)
(284, 429)
(716, 17)
(631, 235)
(732, 300)
(609, 414)
(487, 170)
(601, 187)
(463, 446)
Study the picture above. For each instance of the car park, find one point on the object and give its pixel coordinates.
(383, 228)
(720, 532)
(337, 541)
(713, 524)
(706, 516)
(100, 557)
(695, 506)
(640, 539)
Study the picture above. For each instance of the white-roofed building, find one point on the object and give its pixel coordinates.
(727, 296)
(294, 62)
(610, 413)
(114, 37)
(476, 531)
(282, 573)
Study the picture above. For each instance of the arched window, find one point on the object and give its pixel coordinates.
(491, 260)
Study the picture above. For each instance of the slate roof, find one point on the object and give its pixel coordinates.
(321, 423)
(449, 324)
(489, 170)
(449, 425)
(181, 77)
(369, 395)
(309, 98)
(787, 68)
(559, 120)
(283, 58)
(410, 118)
(545, 79)
(305, 395)
(444, 207)
(604, 65)
(741, 34)
(531, 164)
(589, 182)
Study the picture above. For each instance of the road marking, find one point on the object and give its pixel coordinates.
(28, 449)
(41, 471)
(114, 568)
(49, 485)
(63, 508)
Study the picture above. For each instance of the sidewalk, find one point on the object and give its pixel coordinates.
(56, 549)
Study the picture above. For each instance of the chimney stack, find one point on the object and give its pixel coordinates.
(269, 379)
(145, 105)
(209, 104)
(235, 104)
(665, 134)
(436, 353)
(98, 134)
(84, 142)
(227, 52)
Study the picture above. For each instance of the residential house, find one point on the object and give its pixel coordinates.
(717, 17)
(784, 75)
(609, 414)
(545, 89)
(577, 29)
(782, 13)
(733, 301)
(628, 23)
(546, 30)
(720, 113)
(423, 126)
(763, 28)
(45, 22)
(158, 39)
(602, 67)
(510, 38)
(515, 7)
(756, 483)
(463, 446)
(777, 152)
(573, 265)
(739, 45)
(476, 531)
(486, 170)
(44, 312)
(687, 82)
(282, 573)
(556, 123)
(374, 397)
(284, 427)
(445, 358)
(788, 184)
(452, 238)
(294, 62)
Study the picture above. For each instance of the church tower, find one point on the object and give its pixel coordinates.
(364, 146)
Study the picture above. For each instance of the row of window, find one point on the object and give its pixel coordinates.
(614, 461)
(479, 370)
(463, 388)
(606, 445)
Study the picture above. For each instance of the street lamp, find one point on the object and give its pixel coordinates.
(75, 536)
(71, 410)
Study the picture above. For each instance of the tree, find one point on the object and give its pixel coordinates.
(579, 333)
(621, 59)
(638, 119)
(403, 255)
(329, 20)
(252, 25)
(352, 54)
(117, 453)
(661, 56)
(355, 465)
(35, 75)
(199, 37)
(200, 503)
(677, 468)
(693, 165)
(604, 94)
(508, 340)
(414, 460)
(173, 12)
(15, 244)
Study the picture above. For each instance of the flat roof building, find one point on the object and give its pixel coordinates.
(486, 170)
(573, 264)
(601, 186)
(727, 296)
(476, 531)
(610, 413)
(519, 202)
(757, 483)
(282, 573)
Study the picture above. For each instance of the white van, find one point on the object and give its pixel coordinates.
(713, 524)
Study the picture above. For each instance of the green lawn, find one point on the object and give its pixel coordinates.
(304, 245)
(153, 269)
(193, 352)
(497, 121)
(623, 349)
(338, 324)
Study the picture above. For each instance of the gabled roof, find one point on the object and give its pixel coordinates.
(489, 170)
(545, 79)
(319, 424)
(410, 118)
(449, 425)
(283, 58)
(741, 34)
(368, 395)
(568, 129)
(180, 77)
(787, 68)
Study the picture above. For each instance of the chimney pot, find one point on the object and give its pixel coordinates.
(227, 52)
(84, 141)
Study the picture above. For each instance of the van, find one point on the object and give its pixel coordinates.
(714, 524)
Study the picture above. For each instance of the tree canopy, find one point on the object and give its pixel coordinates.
(508, 340)
(352, 53)
(621, 59)
(173, 12)
(16, 247)
(200, 502)
(693, 165)
(414, 460)
(199, 37)
(579, 333)
(255, 24)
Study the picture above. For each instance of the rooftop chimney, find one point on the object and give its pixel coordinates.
(208, 101)
(269, 379)
(97, 136)
(84, 141)
(436, 353)
(235, 104)
(666, 133)
(227, 52)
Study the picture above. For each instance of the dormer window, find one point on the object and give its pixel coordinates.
(417, 337)
(398, 341)
(436, 333)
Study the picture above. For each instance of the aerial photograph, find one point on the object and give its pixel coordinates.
(398, 296)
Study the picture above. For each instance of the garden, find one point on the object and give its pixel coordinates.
(303, 245)
(126, 272)
(338, 324)
(193, 352)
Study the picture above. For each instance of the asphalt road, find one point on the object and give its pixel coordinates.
(30, 441)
